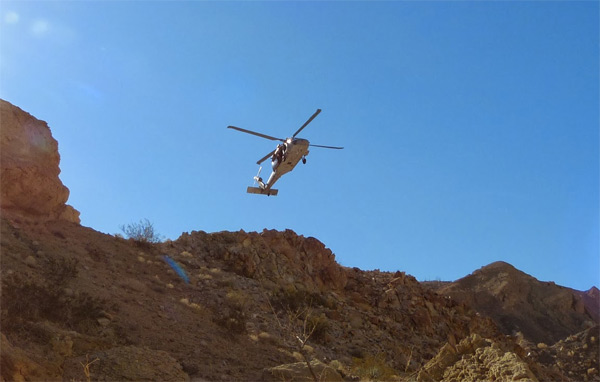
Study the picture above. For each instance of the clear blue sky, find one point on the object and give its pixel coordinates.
(470, 128)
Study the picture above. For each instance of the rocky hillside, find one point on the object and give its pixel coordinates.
(79, 305)
(74, 293)
(72, 296)
(542, 312)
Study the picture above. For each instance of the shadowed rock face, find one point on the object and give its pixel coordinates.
(541, 311)
(29, 168)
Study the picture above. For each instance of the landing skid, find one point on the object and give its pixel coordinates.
(257, 190)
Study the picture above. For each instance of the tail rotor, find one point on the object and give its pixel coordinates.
(258, 180)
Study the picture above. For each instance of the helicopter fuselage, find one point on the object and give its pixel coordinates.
(295, 149)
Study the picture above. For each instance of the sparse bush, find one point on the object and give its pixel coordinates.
(292, 299)
(83, 311)
(59, 272)
(141, 232)
(233, 314)
(318, 326)
(372, 368)
(237, 298)
(298, 321)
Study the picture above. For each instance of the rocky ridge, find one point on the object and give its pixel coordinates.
(542, 312)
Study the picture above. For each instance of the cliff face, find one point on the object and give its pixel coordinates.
(29, 169)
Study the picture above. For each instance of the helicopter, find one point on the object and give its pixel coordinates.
(283, 159)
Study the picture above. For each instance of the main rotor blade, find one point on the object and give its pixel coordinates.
(327, 147)
(265, 157)
(307, 122)
(255, 133)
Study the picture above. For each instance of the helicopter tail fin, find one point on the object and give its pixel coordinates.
(258, 190)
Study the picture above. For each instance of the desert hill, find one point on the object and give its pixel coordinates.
(540, 311)
(232, 319)
(81, 305)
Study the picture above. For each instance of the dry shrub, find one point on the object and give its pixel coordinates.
(318, 326)
(372, 368)
(292, 299)
(142, 232)
(233, 315)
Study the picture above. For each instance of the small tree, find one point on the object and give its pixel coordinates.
(297, 311)
(142, 232)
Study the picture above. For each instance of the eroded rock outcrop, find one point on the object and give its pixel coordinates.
(29, 159)
(284, 258)
(476, 359)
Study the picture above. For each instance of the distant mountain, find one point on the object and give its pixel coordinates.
(517, 302)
